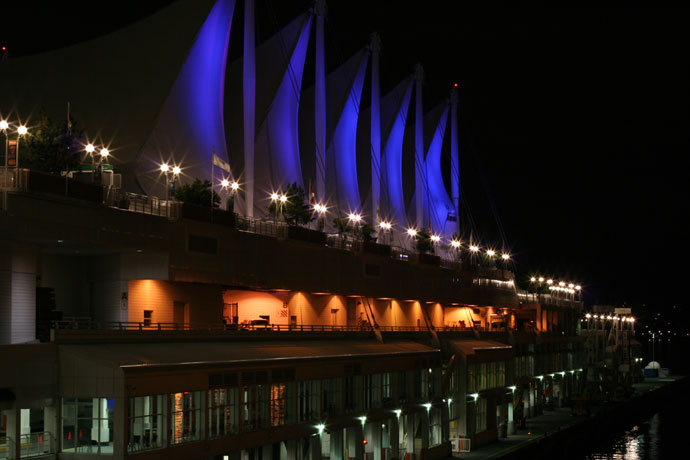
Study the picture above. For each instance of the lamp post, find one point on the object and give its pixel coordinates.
(354, 218)
(386, 227)
(90, 149)
(455, 244)
(21, 131)
(3, 127)
(321, 211)
(412, 233)
(435, 240)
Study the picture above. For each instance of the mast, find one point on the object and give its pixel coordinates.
(320, 103)
(454, 156)
(420, 164)
(249, 104)
(375, 48)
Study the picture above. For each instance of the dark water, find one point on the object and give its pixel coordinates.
(664, 436)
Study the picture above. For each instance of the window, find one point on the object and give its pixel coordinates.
(372, 391)
(386, 388)
(480, 404)
(481, 376)
(491, 375)
(308, 400)
(471, 378)
(279, 404)
(422, 387)
(435, 427)
(254, 408)
(87, 425)
(330, 395)
(148, 317)
(351, 399)
(146, 416)
(402, 385)
(186, 416)
(222, 412)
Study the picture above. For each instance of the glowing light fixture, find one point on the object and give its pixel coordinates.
(455, 244)
(427, 405)
(505, 256)
(397, 412)
(234, 186)
(176, 170)
(549, 281)
(490, 253)
(4, 125)
(561, 284)
(283, 198)
(89, 148)
(385, 225)
(411, 232)
(435, 238)
(474, 248)
(577, 288)
(320, 427)
(354, 217)
(533, 279)
(164, 168)
(22, 130)
(541, 279)
(225, 183)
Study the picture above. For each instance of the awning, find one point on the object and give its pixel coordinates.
(482, 350)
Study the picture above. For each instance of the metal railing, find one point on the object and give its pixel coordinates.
(36, 444)
(556, 300)
(6, 448)
(273, 228)
(88, 324)
(461, 444)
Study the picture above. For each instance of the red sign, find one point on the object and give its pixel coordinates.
(12, 152)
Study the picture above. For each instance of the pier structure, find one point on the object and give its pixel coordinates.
(139, 326)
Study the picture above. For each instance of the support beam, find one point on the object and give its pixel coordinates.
(249, 105)
(375, 48)
(454, 157)
(320, 103)
(419, 163)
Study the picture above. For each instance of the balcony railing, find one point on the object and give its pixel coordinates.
(37, 444)
(6, 448)
(565, 300)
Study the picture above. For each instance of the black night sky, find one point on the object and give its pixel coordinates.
(576, 119)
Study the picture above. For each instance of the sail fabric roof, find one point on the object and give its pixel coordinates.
(190, 124)
(277, 144)
(394, 108)
(440, 204)
(116, 83)
(342, 177)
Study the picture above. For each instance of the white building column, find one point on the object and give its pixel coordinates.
(355, 436)
(337, 445)
(410, 432)
(314, 451)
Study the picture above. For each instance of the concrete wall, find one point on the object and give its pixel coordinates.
(18, 268)
(318, 308)
(252, 305)
(204, 302)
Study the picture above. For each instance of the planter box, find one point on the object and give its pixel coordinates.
(305, 234)
(375, 248)
(201, 213)
(49, 183)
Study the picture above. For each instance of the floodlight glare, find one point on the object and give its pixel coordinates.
(474, 248)
(435, 238)
(176, 170)
(283, 198)
(412, 232)
(4, 125)
(234, 186)
(22, 130)
(165, 168)
(224, 183)
(90, 148)
(105, 152)
(505, 256)
(274, 196)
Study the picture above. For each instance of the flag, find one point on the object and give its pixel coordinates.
(312, 196)
(222, 164)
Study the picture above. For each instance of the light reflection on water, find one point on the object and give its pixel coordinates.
(647, 441)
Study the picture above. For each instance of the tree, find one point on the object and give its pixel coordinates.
(423, 241)
(361, 230)
(294, 210)
(53, 147)
(198, 193)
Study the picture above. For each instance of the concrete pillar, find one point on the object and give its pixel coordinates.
(372, 433)
(267, 452)
(18, 264)
(291, 447)
(394, 437)
(50, 424)
(355, 436)
(314, 451)
(120, 428)
(14, 419)
(424, 421)
(337, 445)
(410, 432)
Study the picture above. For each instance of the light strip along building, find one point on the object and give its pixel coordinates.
(159, 330)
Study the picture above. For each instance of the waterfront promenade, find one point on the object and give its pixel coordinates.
(550, 424)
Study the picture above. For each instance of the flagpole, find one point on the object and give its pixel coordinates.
(213, 154)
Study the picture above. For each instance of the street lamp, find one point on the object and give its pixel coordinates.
(355, 219)
(3, 127)
(21, 131)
